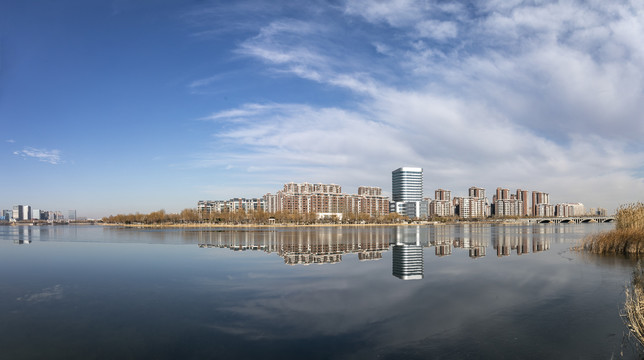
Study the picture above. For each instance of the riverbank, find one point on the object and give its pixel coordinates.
(213, 225)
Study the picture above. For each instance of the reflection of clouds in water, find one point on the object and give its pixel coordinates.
(47, 294)
(388, 312)
(241, 329)
(327, 308)
(457, 299)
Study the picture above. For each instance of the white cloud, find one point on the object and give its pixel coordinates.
(251, 110)
(396, 13)
(48, 156)
(204, 82)
(547, 96)
(439, 30)
(382, 48)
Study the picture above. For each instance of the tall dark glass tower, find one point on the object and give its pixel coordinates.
(407, 184)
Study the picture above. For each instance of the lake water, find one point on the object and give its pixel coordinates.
(412, 292)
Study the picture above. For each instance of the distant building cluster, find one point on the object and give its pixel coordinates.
(302, 198)
(27, 213)
(406, 199)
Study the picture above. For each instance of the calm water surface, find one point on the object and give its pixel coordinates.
(444, 292)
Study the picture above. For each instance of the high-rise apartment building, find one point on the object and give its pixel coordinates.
(538, 199)
(522, 195)
(441, 208)
(304, 198)
(502, 194)
(471, 207)
(506, 204)
(476, 192)
(474, 206)
(441, 194)
(569, 209)
(22, 212)
(407, 184)
(369, 191)
(442, 204)
(407, 192)
(508, 207)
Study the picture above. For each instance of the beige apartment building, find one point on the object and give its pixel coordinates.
(327, 199)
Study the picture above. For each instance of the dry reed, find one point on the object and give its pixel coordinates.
(630, 216)
(633, 312)
(628, 236)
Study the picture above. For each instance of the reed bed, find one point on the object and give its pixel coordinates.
(630, 216)
(633, 312)
(628, 236)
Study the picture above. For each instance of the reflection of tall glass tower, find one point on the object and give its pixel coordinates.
(407, 255)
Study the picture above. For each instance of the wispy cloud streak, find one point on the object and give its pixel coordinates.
(48, 156)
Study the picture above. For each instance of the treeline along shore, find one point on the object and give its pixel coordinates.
(193, 217)
(241, 217)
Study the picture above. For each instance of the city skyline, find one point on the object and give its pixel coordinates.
(379, 200)
(329, 201)
(118, 107)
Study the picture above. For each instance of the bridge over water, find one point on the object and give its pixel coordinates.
(572, 220)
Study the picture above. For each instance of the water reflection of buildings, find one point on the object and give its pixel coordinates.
(471, 237)
(328, 245)
(24, 234)
(521, 240)
(443, 247)
(407, 254)
(476, 237)
(304, 246)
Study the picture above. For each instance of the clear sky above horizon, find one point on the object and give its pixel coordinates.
(122, 106)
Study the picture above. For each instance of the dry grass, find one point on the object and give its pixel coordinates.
(633, 312)
(628, 236)
(622, 241)
(630, 216)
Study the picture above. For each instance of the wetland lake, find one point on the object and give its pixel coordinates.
(441, 291)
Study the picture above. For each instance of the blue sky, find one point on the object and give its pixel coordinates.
(124, 106)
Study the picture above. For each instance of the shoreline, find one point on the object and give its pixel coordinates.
(211, 225)
(523, 221)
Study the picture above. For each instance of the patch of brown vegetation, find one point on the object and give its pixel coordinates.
(633, 311)
(628, 236)
(618, 241)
